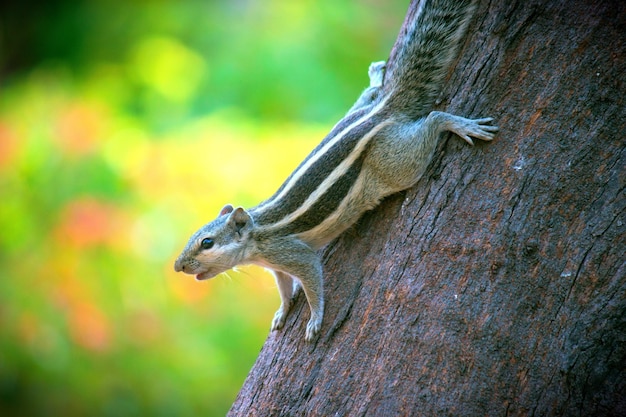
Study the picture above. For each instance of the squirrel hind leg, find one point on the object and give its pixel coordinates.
(402, 151)
(398, 156)
(376, 73)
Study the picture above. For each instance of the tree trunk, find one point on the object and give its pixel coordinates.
(497, 285)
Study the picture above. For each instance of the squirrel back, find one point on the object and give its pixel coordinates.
(426, 48)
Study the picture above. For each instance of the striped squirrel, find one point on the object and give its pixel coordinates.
(381, 146)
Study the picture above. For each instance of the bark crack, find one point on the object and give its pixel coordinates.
(527, 179)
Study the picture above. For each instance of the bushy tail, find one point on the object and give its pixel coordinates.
(426, 48)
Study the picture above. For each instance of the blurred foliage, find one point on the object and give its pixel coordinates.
(124, 126)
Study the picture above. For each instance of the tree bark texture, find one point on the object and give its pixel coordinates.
(497, 285)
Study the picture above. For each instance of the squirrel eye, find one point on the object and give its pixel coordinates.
(207, 243)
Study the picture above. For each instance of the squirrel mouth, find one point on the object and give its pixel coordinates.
(204, 275)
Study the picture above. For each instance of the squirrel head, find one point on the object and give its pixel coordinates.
(217, 246)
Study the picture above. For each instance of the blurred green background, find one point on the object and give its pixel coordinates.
(124, 126)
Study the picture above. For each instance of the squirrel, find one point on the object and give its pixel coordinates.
(381, 146)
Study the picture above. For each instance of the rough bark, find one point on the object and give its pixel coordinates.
(497, 285)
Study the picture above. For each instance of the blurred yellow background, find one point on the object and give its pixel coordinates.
(124, 126)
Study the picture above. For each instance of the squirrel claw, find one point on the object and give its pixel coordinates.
(376, 72)
(279, 320)
(312, 329)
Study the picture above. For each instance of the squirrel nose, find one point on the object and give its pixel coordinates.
(179, 265)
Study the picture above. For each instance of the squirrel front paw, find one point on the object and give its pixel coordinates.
(279, 319)
(312, 329)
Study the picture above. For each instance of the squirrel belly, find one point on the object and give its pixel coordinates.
(382, 146)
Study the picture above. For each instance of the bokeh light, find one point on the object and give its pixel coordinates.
(124, 126)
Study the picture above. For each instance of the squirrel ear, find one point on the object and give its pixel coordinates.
(227, 209)
(240, 220)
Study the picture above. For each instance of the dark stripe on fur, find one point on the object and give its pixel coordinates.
(316, 174)
(337, 129)
(327, 203)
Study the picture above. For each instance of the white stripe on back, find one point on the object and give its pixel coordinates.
(314, 158)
